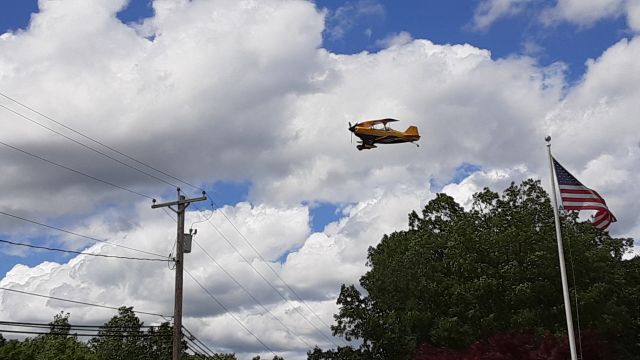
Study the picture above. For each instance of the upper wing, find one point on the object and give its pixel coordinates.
(370, 123)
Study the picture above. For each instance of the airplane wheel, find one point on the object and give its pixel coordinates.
(359, 147)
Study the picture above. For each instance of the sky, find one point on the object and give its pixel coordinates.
(106, 104)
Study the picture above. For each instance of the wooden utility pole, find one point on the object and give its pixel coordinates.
(181, 204)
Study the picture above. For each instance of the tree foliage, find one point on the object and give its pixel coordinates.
(58, 344)
(122, 337)
(458, 276)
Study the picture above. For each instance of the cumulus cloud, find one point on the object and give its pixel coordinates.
(583, 12)
(241, 90)
(395, 39)
(488, 11)
(586, 13)
(495, 179)
(468, 107)
(633, 15)
(344, 18)
(222, 259)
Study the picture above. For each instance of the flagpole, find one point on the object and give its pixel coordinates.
(563, 270)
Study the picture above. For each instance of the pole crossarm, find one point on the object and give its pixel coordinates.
(179, 202)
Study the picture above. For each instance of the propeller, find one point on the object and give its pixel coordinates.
(352, 129)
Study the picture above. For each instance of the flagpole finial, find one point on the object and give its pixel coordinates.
(547, 139)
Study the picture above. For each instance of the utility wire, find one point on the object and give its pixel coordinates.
(153, 176)
(87, 146)
(252, 297)
(73, 170)
(198, 353)
(204, 218)
(79, 235)
(78, 252)
(99, 142)
(229, 312)
(49, 325)
(272, 269)
(95, 141)
(80, 302)
(81, 334)
(197, 340)
(269, 282)
(195, 347)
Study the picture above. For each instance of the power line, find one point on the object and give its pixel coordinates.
(194, 339)
(272, 269)
(195, 347)
(80, 302)
(49, 325)
(267, 281)
(229, 312)
(81, 334)
(252, 297)
(79, 252)
(78, 235)
(74, 170)
(99, 142)
(197, 352)
(153, 176)
(87, 146)
(95, 150)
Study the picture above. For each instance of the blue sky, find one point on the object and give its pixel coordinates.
(442, 22)
(449, 22)
(253, 106)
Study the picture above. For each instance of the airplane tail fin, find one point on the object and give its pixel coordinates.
(412, 130)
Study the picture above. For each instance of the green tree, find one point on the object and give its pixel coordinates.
(58, 344)
(14, 350)
(60, 324)
(158, 344)
(342, 353)
(457, 276)
(223, 357)
(121, 338)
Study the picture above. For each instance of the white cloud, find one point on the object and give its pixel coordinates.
(240, 90)
(149, 286)
(633, 15)
(395, 39)
(345, 17)
(468, 109)
(583, 12)
(495, 179)
(595, 131)
(488, 11)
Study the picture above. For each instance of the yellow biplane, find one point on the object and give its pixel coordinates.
(373, 132)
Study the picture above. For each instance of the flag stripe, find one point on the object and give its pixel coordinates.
(575, 189)
(585, 202)
(576, 196)
(582, 207)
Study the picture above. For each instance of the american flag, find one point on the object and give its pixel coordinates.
(576, 196)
